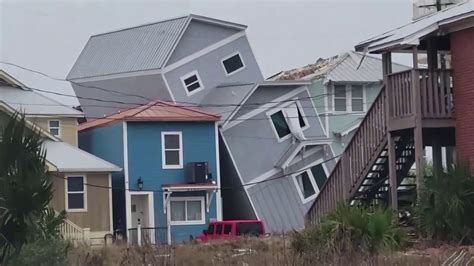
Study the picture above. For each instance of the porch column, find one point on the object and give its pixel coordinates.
(419, 160)
(437, 155)
(392, 171)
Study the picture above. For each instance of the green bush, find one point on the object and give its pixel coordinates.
(446, 208)
(50, 252)
(350, 231)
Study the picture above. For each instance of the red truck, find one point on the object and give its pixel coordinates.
(231, 228)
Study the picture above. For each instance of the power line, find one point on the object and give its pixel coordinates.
(221, 188)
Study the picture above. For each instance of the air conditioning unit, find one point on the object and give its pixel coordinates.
(197, 172)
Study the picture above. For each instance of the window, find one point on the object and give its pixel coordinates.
(280, 125)
(210, 229)
(233, 64)
(305, 185)
(187, 210)
(54, 127)
(76, 193)
(192, 83)
(319, 175)
(219, 229)
(227, 229)
(250, 228)
(171, 150)
(357, 98)
(340, 98)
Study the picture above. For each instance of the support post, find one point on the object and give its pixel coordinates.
(86, 235)
(392, 171)
(450, 156)
(139, 234)
(437, 155)
(419, 160)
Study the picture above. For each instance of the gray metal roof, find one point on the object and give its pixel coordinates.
(67, 158)
(411, 33)
(34, 103)
(143, 47)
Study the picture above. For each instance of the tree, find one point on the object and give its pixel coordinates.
(25, 185)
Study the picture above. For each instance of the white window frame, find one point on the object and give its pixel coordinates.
(282, 108)
(163, 153)
(236, 71)
(311, 179)
(334, 99)
(66, 201)
(349, 92)
(59, 127)
(185, 199)
(190, 74)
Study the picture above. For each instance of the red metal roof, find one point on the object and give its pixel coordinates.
(154, 111)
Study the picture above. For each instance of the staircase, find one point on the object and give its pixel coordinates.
(73, 232)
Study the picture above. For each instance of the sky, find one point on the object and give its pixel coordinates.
(49, 35)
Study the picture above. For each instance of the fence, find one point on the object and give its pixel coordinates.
(148, 235)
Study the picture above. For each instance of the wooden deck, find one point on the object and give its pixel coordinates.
(408, 98)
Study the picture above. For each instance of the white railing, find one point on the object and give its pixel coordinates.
(73, 232)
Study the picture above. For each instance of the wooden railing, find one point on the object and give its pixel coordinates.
(73, 232)
(364, 148)
(423, 91)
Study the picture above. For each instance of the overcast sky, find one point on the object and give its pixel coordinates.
(49, 35)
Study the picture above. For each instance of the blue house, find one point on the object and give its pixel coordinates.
(170, 183)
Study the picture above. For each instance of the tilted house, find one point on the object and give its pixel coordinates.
(342, 88)
(416, 108)
(159, 146)
(80, 179)
(270, 132)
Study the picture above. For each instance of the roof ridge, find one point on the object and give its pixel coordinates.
(141, 25)
(55, 101)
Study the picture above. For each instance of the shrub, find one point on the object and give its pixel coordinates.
(42, 252)
(350, 232)
(445, 210)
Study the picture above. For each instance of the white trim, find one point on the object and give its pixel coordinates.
(272, 125)
(218, 169)
(349, 130)
(282, 109)
(306, 155)
(198, 80)
(240, 176)
(84, 192)
(303, 115)
(186, 199)
(204, 51)
(312, 180)
(262, 108)
(59, 127)
(235, 71)
(177, 41)
(111, 222)
(168, 88)
(118, 75)
(163, 150)
(151, 208)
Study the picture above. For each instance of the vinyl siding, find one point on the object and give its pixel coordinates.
(68, 128)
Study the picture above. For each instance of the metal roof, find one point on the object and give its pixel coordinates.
(143, 47)
(67, 158)
(154, 111)
(411, 33)
(342, 68)
(35, 104)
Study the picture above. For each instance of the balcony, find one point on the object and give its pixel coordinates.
(420, 96)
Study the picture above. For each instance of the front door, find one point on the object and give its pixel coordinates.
(140, 212)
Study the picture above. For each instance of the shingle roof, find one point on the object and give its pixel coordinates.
(143, 47)
(154, 111)
(410, 34)
(34, 103)
(341, 68)
(67, 158)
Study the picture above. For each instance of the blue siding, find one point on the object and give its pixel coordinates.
(144, 152)
(107, 143)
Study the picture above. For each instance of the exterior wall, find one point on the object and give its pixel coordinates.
(68, 128)
(212, 72)
(97, 217)
(150, 87)
(197, 36)
(107, 143)
(462, 50)
(257, 132)
(144, 160)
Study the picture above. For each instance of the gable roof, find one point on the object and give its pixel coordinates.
(28, 80)
(143, 47)
(341, 68)
(154, 111)
(64, 157)
(411, 33)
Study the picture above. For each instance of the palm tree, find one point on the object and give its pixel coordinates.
(25, 185)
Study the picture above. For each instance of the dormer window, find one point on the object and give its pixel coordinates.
(54, 127)
(233, 64)
(192, 83)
